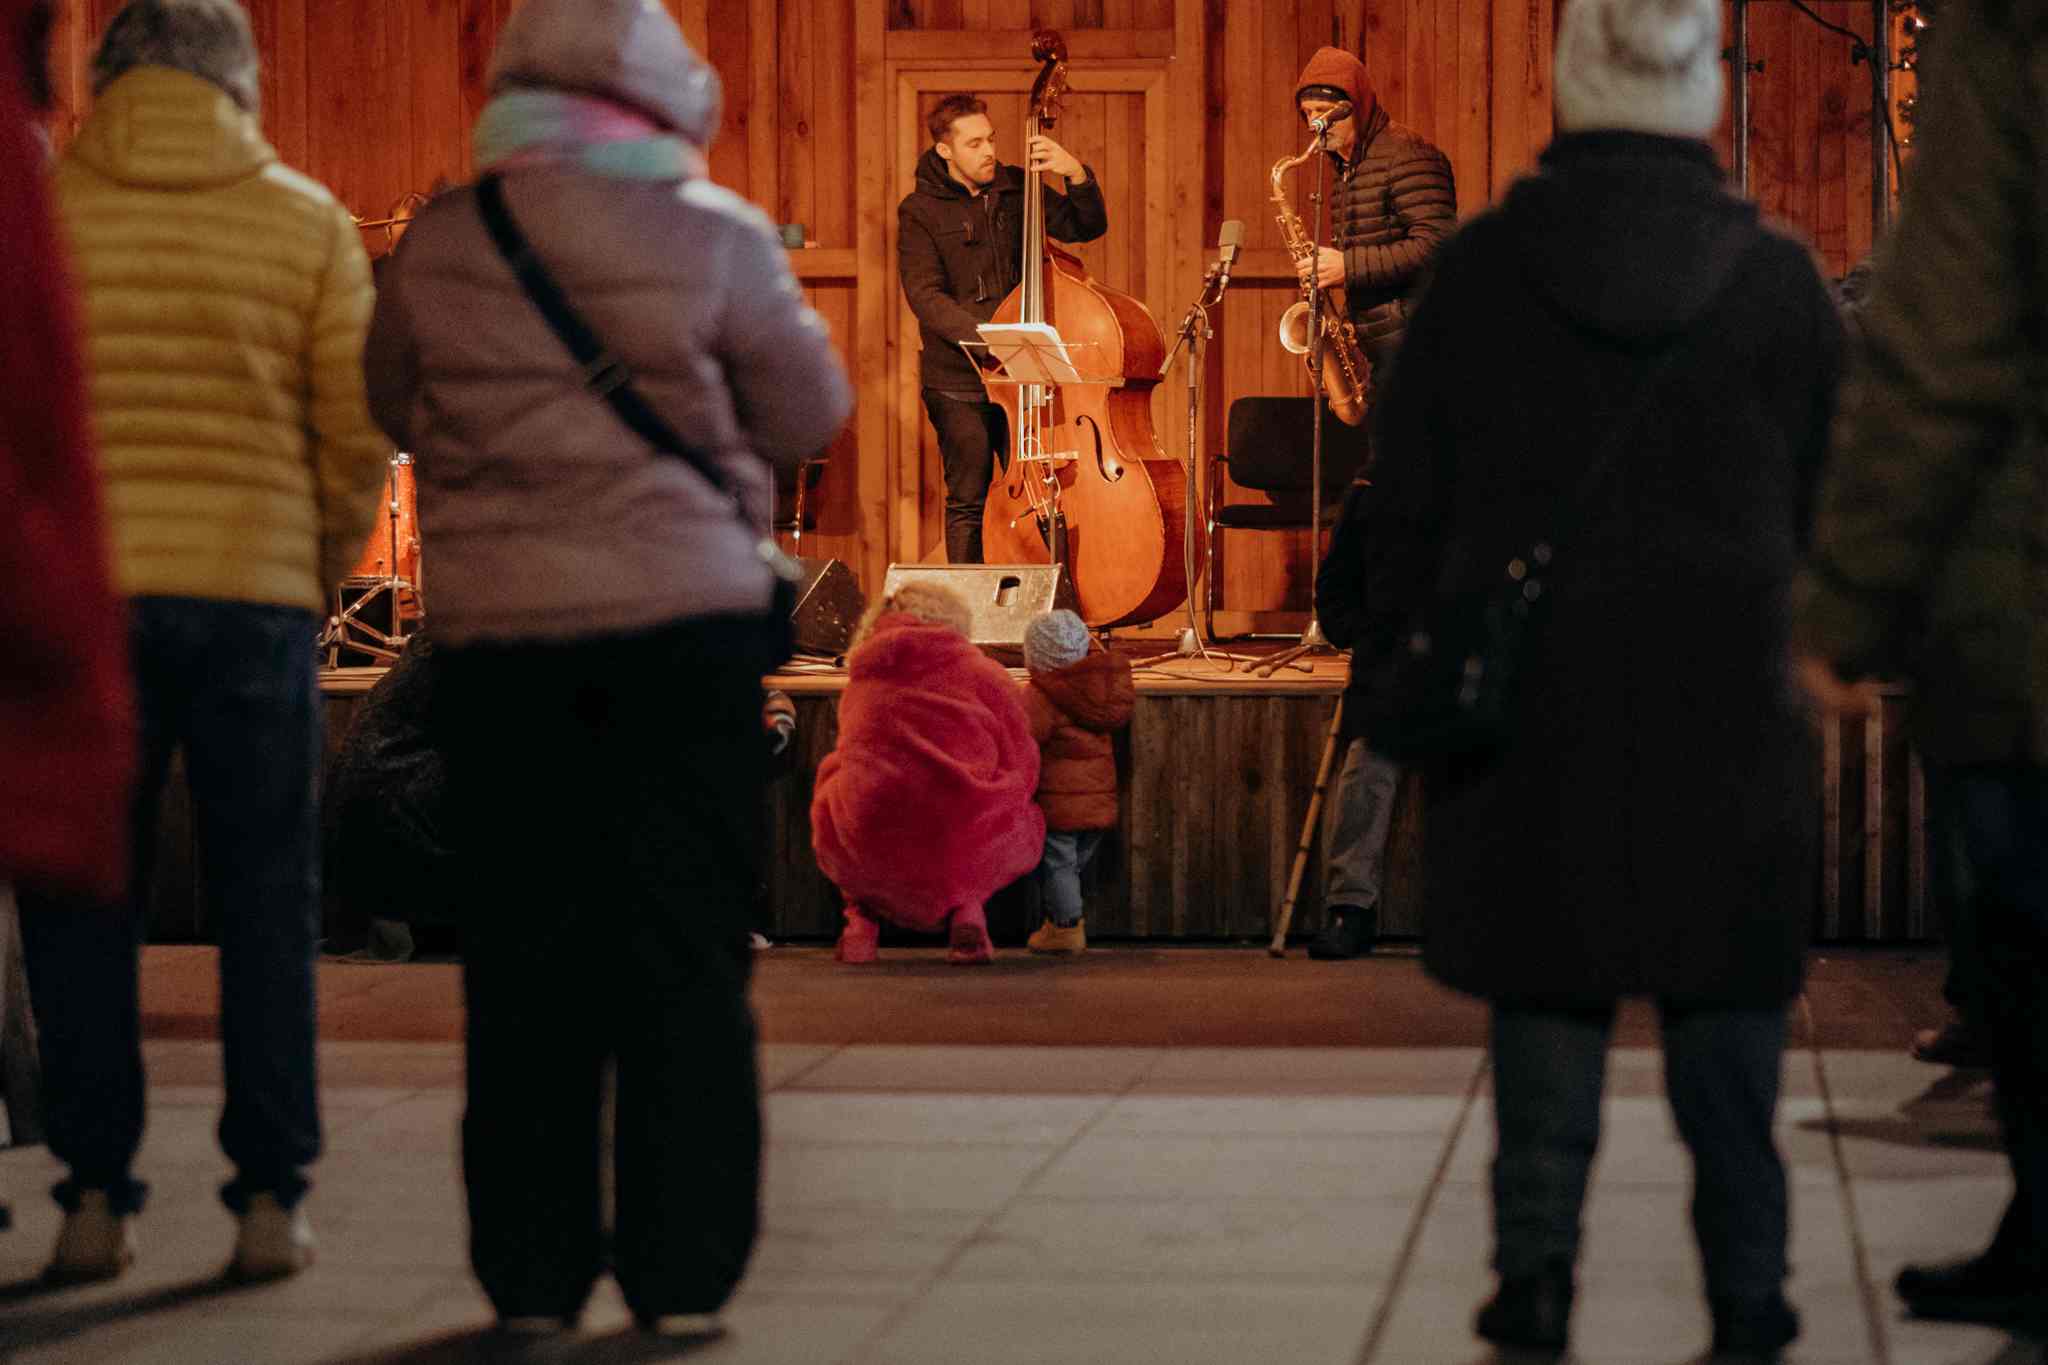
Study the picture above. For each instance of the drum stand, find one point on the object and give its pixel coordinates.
(1312, 638)
(347, 629)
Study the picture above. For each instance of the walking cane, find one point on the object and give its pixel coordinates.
(1278, 947)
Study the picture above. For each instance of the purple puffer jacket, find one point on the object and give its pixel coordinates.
(541, 516)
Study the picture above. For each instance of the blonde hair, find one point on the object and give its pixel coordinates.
(932, 602)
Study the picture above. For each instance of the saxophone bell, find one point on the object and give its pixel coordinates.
(1294, 330)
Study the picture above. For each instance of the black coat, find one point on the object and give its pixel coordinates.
(1651, 830)
(1390, 209)
(959, 255)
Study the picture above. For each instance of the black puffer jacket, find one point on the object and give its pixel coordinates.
(958, 255)
(1389, 211)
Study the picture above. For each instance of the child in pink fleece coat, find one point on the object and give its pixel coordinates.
(925, 807)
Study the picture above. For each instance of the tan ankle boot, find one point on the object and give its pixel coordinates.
(1068, 940)
(95, 1243)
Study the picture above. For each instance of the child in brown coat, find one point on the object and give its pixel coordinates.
(1076, 699)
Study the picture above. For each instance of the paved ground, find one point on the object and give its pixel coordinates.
(1037, 1204)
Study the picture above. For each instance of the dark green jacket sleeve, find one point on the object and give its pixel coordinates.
(1949, 359)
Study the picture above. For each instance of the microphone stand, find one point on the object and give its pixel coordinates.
(1312, 639)
(1194, 333)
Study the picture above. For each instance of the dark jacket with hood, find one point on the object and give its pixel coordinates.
(1391, 206)
(1932, 557)
(959, 254)
(1650, 830)
(1074, 711)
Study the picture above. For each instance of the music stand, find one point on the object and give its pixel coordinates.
(1034, 355)
(1031, 353)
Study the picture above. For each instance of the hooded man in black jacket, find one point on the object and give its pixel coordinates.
(960, 239)
(1392, 203)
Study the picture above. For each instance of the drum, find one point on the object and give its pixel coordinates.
(393, 549)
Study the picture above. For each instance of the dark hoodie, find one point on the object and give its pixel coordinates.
(1074, 711)
(959, 255)
(1650, 830)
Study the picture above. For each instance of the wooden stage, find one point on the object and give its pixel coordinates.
(1217, 768)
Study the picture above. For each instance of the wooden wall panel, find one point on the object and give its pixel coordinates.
(378, 101)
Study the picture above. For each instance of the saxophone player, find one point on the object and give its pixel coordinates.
(1392, 202)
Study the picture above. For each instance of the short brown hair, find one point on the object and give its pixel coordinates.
(950, 111)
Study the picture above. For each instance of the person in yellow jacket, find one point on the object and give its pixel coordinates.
(224, 301)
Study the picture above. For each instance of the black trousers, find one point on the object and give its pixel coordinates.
(611, 791)
(970, 435)
(1993, 820)
(1721, 1072)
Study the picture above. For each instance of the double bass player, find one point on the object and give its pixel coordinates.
(959, 243)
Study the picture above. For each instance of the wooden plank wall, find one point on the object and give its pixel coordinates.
(376, 100)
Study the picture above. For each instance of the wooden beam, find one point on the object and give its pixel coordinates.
(874, 287)
(764, 161)
(818, 265)
(1009, 47)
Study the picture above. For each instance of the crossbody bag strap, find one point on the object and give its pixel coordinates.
(604, 374)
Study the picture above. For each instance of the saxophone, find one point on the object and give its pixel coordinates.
(1345, 368)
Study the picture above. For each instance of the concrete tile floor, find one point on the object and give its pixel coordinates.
(926, 1205)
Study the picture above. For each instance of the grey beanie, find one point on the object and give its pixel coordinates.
(1646, 66)
(625, 50)
(1054, 640)
(210, 39)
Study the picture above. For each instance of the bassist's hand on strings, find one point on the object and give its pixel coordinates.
(1047, 155)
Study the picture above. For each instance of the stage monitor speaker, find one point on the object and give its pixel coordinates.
(1002, 598)
(828, 607)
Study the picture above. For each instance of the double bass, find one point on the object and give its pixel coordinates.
(1085, 483)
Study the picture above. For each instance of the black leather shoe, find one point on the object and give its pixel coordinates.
(1954, 1044)
(1349, 934)
(1994, 1287)
(1529, 1311)
(1754, 1329)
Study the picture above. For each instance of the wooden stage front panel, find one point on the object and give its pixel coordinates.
(1216, 770)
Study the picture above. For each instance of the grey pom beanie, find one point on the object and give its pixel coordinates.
(625, 50)
(1054, 640)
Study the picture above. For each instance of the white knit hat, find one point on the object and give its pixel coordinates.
(1054, 640)
(1645, 66)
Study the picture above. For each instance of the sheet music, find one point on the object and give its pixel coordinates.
(1030, 352)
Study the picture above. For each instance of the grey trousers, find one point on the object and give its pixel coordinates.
(1356, 817)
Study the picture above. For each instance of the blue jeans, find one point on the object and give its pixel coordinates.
(1721, 1071)
(1992, 822)
(234, 684)
(1067, 852)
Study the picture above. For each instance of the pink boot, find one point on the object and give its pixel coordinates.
(861, 939)
(968, 938)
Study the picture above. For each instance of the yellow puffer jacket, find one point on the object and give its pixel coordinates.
(224, 303)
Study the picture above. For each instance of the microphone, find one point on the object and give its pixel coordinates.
(1227, 243)
(1337, 114)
